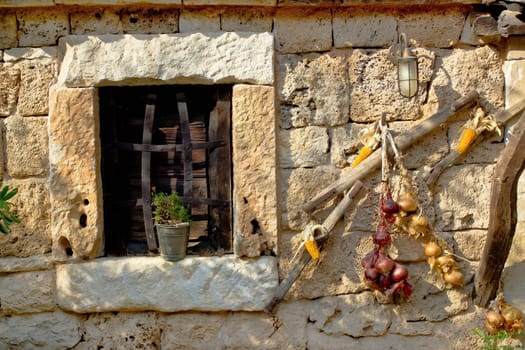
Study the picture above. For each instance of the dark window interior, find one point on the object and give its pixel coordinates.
(122, 122)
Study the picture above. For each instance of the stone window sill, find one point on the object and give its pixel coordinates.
(150, 283)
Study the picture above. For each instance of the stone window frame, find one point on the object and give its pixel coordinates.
(244, 60)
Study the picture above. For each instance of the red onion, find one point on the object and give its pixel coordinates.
(384, 281)
(407, 289)
(389, 206)
(382, 237)
(384, 264)
(371, 274)
(399, 273)
(370, 259)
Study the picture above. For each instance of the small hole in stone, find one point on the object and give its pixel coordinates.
(255, 226)
(86, 201)
(98, 15)
(133, 20)
(83, 220)
(64, 243)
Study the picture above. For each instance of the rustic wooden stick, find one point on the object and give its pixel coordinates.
(502, 117)
(502, 217)
(302, 258)
(403, 141)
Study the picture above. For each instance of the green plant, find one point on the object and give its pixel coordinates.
(7, 215)
(168, 208)
(493, 341)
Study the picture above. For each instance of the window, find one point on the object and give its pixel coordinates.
(204, 182)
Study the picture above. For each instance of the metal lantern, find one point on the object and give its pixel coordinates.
(406, 70)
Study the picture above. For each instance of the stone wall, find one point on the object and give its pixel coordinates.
(324, 74)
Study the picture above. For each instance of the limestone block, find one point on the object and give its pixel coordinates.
(513, 282)
(31, 263)
(123, 330)
(151, 283)
(339, 269)
(362, 28)
(313, 89)
(485, 75)
(50, 330)
(299, 186)
(27, 3)
(303, 30)
(515, 48)
(239, 330)
(425, 152)
(32, 235)
(95, 21)
(35, 80)
(469, 243)
(193, 330)
(150, 21)
(432, 299)
(354, 315)
(345, 144)
(7, 30)
(247, 20)
(305, 147)
(46, 53)
(373, 78)
(41, 28)
(514, 85)
(75, 182)
(27, 292)
(463, 196)
(26, 146)
(9, 85)
(208, 20)
(254, 154)
(439, 27)
(180, 58)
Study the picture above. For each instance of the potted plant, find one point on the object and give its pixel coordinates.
(172, 222)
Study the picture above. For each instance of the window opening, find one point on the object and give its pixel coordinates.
(202, 178)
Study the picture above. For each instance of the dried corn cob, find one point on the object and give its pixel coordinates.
(312, 248)
(476, 125)
(467, 138)
(370, 138)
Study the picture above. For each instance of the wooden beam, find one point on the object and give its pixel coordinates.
(502, 217)
(370, 164)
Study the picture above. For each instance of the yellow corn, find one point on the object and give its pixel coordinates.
(312, 249)
(364, 152)
(467, 137)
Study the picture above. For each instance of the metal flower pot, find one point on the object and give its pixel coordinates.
(173, 240)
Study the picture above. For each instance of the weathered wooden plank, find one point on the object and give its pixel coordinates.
(403, 141)
(219, 179)
(186, 141)
(126, 146)
(502, 217)
(146, 174)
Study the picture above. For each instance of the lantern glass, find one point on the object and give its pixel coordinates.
(407, 75)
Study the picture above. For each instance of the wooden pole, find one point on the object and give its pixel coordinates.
(302, 258)
(403, 141)
(502, 217)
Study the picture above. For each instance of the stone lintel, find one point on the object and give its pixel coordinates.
(150, 283)
(198, 58)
